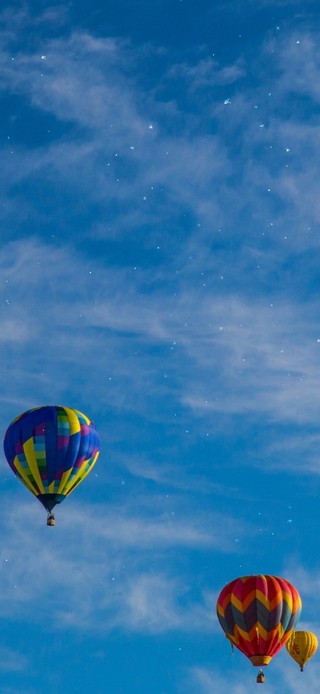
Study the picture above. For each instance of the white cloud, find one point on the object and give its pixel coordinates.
(12, 661)
(282, 675)
(219, 326)
(224, 354)
(206, 73)
(219, 175)
(108, 566)
(295, 682)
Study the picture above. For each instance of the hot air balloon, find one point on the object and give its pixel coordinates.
(302, 645)
(257, 614)
(51, 450)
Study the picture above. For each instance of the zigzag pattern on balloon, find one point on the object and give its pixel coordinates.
(258, 613)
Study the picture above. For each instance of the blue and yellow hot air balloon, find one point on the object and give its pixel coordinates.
(51, 450)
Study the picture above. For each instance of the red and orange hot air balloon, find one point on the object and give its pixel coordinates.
(258, 614)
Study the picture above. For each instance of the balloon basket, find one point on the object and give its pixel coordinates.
(51, 519)
(260, 677)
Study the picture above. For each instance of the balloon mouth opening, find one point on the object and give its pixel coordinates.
(49, 501)
(259, 660)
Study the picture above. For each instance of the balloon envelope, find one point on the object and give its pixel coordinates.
(257, 614)
(302, 645)
(51, 450)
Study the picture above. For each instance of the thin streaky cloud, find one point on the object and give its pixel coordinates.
(120, 549)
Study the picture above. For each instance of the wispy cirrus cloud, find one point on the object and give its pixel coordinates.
(242, 357)
(158, 213)
(206, 73)
(12, 661)
(137, 167)
(117, 557)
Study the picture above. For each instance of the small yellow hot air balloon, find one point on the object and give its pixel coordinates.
(302, 645)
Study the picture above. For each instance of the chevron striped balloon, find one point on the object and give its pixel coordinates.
(257, 614)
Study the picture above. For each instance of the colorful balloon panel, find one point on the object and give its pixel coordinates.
(257, 614)
(51, 450)
(302, 645)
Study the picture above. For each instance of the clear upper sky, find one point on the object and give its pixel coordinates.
(160, 255)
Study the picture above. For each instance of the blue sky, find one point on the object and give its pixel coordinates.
(160, 272)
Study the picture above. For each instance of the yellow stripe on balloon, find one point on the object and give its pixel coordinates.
(235, 637)
(263, 598)
(238, 604)
(24, 476)
(281, 631)
(82, 416)
(28, 450)
(280, 597)
(81, 474)
(91, 466)
(258, 630)
(246, 602)
(64, 480)
(244, 634)
(73, 421)
(71, 483)
(287, 597)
